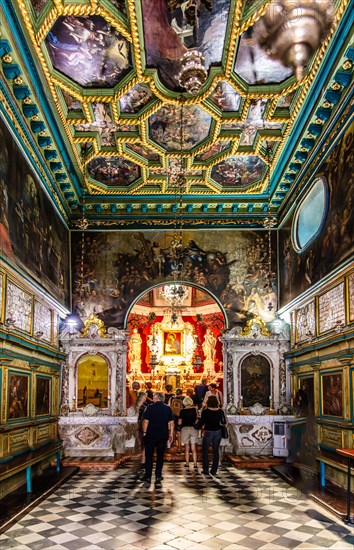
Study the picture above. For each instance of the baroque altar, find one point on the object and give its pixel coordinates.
(92, 419)
(257, 384)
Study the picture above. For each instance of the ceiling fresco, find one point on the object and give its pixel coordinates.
(109, 71)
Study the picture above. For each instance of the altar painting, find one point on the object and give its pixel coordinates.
(172, 342)
(92, 381)
(43, 385)
(18, 396)
(332, 394)
(255, 380)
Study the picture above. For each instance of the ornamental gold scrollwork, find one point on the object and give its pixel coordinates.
(90, 322)
(251, 326)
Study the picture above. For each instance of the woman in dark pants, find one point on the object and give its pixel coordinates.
(210, 420)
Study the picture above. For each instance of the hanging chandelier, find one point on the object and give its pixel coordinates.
(174, 294)
(292, 31)
(193, 73)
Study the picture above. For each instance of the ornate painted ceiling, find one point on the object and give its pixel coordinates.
(91, 90)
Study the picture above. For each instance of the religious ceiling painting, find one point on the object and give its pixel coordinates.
(335, 242)
(238, 171)
(88, 50)
(118, 266)
(136, 99)
(225, 97)
(31, 234)
(113, 80)
(113, 171)
(177, 129)
(172, 28)
(255, 66)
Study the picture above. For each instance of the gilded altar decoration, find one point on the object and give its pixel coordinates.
(253, 325)
(331, 309)
(18, 308)
(332, 394)
(94, 328)
(18, 396)
(172, 344)
(42, 322)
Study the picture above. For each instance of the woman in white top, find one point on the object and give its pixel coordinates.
(212, 390)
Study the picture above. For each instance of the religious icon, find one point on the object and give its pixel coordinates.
(42, 395)
(172, 343)
(332, 394)
(18, 396)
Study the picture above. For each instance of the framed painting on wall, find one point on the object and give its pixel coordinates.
(307, 385)
(172, 342)
(332, 394)
(255, 380)
(18, 396)
(43, 386)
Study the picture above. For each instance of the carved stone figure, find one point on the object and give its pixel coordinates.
(209, 345)
(135, 347)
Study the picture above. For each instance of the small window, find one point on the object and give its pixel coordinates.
(310, 215)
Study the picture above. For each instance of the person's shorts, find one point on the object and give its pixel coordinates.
(189, 435)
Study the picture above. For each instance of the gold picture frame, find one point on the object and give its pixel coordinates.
(172, 342)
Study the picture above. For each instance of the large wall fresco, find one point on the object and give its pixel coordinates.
(118, 266)
(336, 241)
(169, 31)
(31, 234)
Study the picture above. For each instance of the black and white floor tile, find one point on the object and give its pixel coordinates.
(237, 510)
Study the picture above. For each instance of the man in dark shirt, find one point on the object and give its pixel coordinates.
(157, 428)
(200, 391)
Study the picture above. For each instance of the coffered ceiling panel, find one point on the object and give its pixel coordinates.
(107, 72)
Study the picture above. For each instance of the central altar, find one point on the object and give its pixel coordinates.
(173, 354)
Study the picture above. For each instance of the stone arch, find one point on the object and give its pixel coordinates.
(178, 282)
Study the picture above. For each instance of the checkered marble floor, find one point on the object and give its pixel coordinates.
(238, 510)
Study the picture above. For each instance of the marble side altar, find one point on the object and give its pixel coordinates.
(100, 435)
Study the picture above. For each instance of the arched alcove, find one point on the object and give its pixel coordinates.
(92, 381)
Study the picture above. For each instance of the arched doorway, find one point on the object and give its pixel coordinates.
(174, 331)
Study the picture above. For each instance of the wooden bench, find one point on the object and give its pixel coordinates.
(29, 459)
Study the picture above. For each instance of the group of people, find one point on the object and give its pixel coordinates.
(161, 416)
